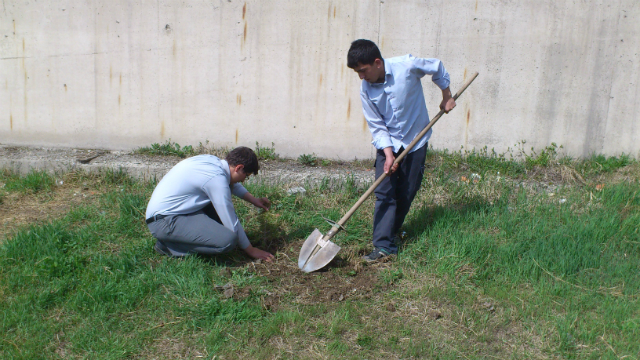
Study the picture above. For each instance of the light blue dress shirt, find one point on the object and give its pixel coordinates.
(395, 110)
(194, 183)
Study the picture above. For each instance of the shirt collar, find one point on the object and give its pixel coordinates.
(387, 70)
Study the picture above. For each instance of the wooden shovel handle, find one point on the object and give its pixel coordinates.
(335, 229)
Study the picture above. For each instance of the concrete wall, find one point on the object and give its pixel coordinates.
(120, 74)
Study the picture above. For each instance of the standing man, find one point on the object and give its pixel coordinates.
(190, 210)
(394, 107)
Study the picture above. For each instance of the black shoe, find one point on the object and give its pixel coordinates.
(162, 249)
(376, 254)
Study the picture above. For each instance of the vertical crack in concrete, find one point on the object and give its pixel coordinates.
(158, 91)
(439, 27)
(379, 20)
(95, 59)
(612, 71)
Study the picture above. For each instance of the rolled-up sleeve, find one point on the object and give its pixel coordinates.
(433, 67)
(219, 192)
(377, 126)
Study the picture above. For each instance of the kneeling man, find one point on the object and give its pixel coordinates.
(190, 210)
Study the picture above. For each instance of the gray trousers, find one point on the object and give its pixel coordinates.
(394, 196)
(201, 232)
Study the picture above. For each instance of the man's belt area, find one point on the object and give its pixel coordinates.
(155, 217)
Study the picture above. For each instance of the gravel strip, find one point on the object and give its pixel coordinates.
(288, 173)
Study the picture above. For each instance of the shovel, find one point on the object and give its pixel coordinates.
(318, 250)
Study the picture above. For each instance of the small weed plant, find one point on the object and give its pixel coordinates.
(544, 158)
(266, 153)
(308, 159)
(208, 148)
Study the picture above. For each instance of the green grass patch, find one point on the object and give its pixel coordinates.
(507, 263)
(35, 181)
(169, 148)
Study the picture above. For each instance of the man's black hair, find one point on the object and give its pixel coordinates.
(242, 155)
(364, 52)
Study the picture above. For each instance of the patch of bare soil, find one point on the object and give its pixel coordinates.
(21, 209)
(346, 277)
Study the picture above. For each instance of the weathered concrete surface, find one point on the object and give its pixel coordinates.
(121, 74)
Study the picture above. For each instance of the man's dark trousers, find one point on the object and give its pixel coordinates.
(394, 196)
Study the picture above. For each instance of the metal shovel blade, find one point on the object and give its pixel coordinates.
(316, 252)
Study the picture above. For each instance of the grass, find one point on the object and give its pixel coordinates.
(34, 182)
(308, 159)
(170, 148)
(266, 153)
(498, 266)
(167, 149)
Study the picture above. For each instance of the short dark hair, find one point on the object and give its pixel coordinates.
(364, 52)
(243, 155)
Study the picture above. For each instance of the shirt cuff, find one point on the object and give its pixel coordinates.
(442, 83)
(243, 240)
(382, 143)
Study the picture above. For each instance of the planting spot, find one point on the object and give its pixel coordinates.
(340, 280)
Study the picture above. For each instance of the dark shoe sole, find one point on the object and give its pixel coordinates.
(382, 257)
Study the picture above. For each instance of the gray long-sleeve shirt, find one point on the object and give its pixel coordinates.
(194, 183)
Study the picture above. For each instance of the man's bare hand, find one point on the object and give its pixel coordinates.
(263, 203)
(258, 254)
(448, 103)
(389, 167)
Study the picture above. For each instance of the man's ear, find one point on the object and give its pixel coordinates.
(238, 167)
(378, 62)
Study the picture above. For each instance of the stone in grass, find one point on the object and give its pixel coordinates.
(296, 190)
(227, 290)
(435, 314)
(228, 293)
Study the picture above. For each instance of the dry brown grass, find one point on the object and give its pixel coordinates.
(22, 209)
